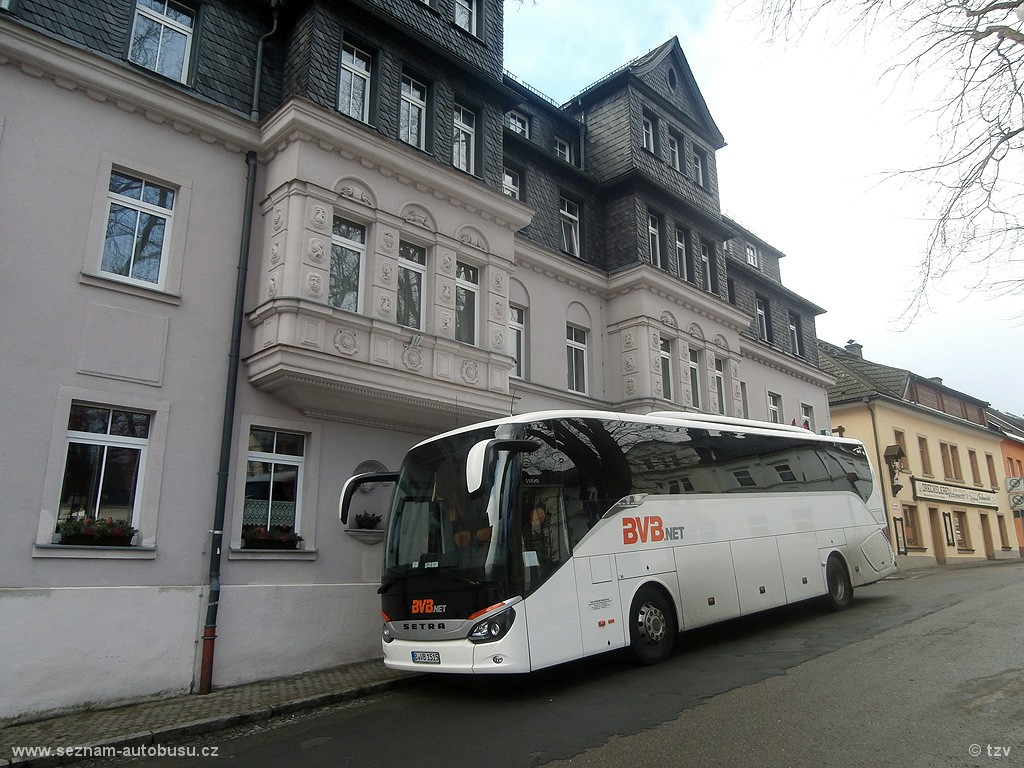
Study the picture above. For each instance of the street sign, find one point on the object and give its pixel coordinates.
(1015, 484)
(1017, 502)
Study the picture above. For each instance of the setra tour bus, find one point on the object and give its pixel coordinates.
(532, 540)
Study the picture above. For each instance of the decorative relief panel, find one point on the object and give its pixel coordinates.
(498, 340)
(354, 192)
(315, 285)
(385, 305)
(446, 262)
(346, 342)
(387, 242)
(412, 354)
(630, 386)
(629, 363)
(629, 339)
(498, 310)
(387, 273)
(275, 251)
(277, 219)
(499, 282)
(668, 319)
(319, 217)
(317, 250)
(470, 372)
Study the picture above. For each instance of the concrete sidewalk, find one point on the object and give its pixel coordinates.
(155, 722)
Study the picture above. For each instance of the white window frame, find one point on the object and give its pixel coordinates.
(166, 23)
(665, 355)
(517, 340)
(467, 287)
(356, 65)
(576, 358)
(518, 122)
(695, 366)
(464, 138)
(705, 266)
(563, 149)
(511, 184)
(752, 256)
(407, 267)
(681, 255)
(700, 167)
(141, 208)
(465, 15)
(763, 318)
(648, 133)
(413, 104)
(296, 461)
(147, 496)
(339, 244)
(654, 239)
(673, 151)
(569, 213)
(105, 441)
(775, 414)
(720, 385)
(796, 334)
(305, 513)
(807, 417)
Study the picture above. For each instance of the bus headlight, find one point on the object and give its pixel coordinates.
(492, 628)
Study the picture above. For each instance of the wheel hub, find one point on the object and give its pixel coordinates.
(651, 623)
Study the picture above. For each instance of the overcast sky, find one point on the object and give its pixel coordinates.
(813, 128)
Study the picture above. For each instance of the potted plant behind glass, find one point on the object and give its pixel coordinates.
(101, 532)
(367, 520)
(274, 537)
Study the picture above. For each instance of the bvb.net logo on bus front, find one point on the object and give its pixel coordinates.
(640, 530)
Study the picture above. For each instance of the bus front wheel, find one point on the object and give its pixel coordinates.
(652, 626)
(837, 580)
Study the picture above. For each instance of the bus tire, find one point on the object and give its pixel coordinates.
(837, 582)
(652, 626)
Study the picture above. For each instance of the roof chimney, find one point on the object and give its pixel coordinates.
(855, 349)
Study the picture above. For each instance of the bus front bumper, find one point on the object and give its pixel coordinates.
(510, 655)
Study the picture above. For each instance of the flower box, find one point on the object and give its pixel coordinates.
(99, 532)
(269, 544)
(84, 539)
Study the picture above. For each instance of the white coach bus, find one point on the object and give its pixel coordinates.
(532, 540)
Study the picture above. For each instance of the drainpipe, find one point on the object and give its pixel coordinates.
(882, 467)
(234, 356)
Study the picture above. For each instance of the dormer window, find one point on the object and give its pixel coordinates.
(518, 123)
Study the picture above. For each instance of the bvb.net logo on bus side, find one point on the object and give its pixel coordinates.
(427, 606)
(640, 530)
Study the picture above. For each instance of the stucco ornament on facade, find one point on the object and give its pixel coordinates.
(498, 340)
(628, 340)
(317, 250)
(315, 283)
(631, 386)
(384, 306)
(470, 372)
(387, 274)
(354, 193)
(278, 219)
(275, 251)
(412, 354)
(272, 286)
(346, 341)
(319, 217)
(388, 241)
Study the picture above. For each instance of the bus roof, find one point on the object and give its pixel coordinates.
(698, 420)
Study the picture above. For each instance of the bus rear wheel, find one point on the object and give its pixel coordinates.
(652, 626)
(837, 581)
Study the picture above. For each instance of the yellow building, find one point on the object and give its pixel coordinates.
(941, 465)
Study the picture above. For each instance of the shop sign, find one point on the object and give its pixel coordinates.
(955, 494)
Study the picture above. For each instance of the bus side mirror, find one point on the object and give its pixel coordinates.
(354, 483)
(481, 458)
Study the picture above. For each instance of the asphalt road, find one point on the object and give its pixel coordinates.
(924, 670)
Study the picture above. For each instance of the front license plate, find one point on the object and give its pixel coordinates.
(426, 657)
